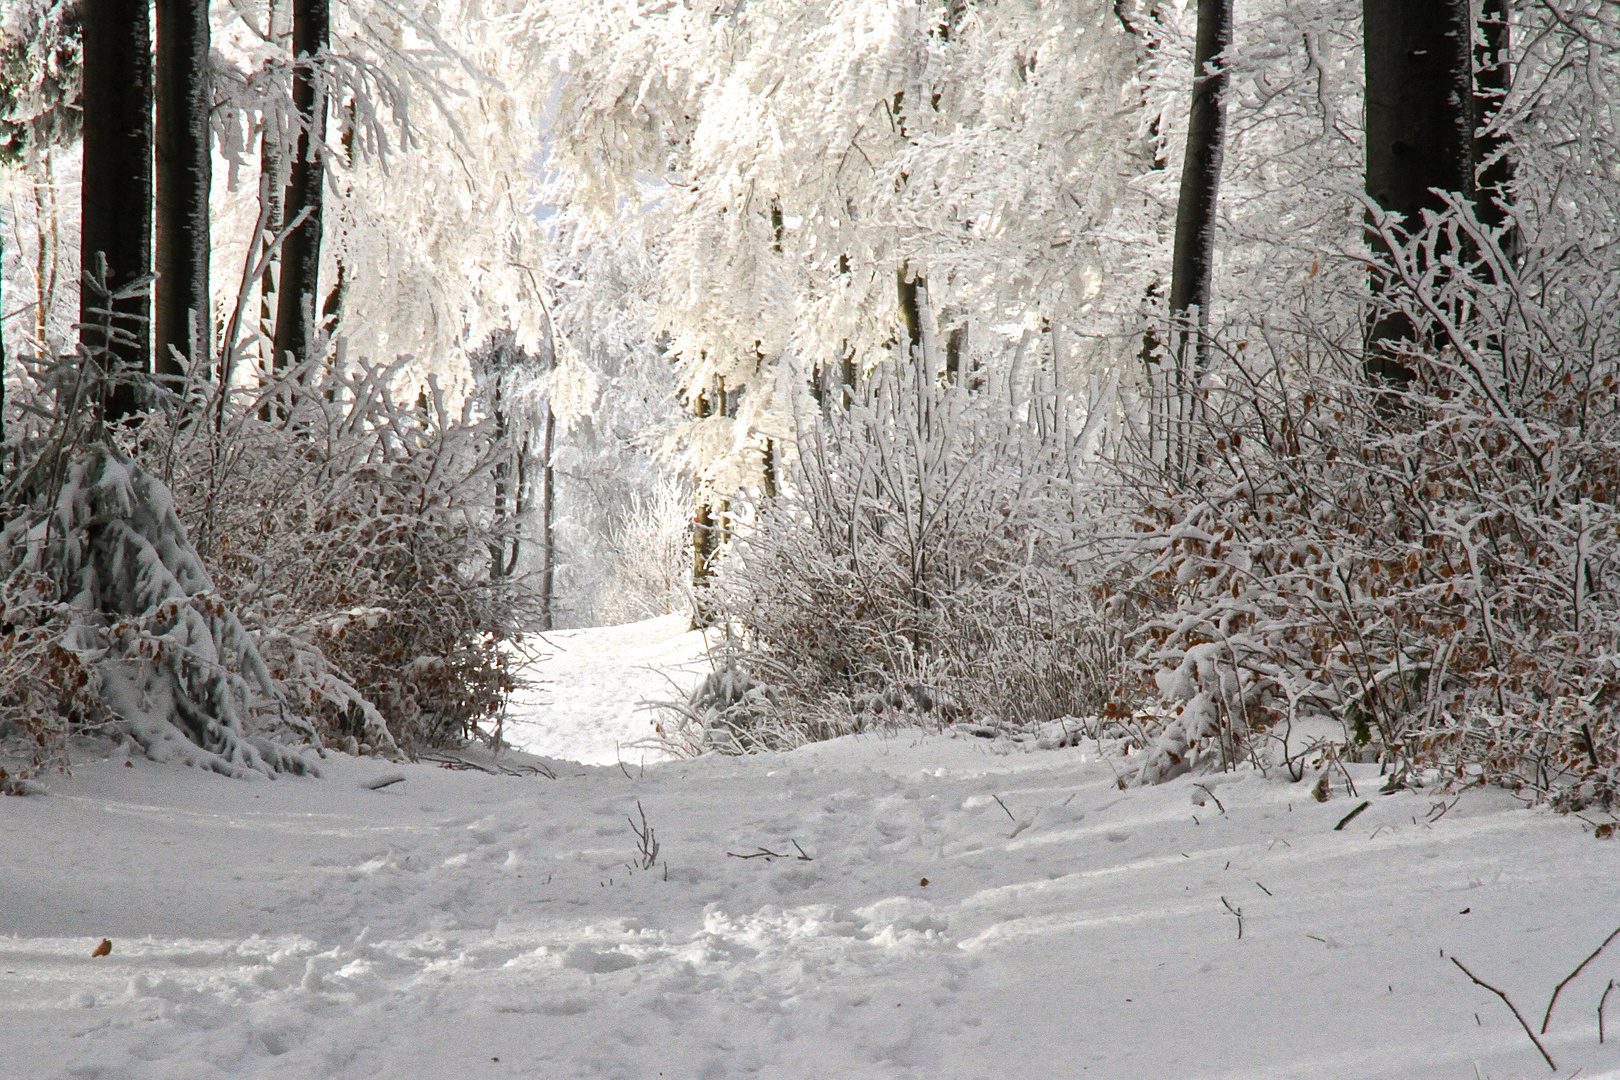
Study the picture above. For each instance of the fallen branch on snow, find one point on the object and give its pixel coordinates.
(1512, 1007)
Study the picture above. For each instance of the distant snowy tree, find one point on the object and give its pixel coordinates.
(804, 167)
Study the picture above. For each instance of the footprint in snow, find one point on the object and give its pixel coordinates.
(582, 957)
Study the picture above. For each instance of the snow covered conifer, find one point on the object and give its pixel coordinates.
(169, 666)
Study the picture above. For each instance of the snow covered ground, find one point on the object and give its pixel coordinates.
(585, 703)
(464, 925)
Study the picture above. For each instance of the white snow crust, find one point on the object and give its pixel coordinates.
(464, 925)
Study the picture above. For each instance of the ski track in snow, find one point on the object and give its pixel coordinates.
(313, 928)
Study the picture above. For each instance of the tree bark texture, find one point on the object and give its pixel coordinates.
(46, 260)
(1192, 263)
(296, 304)
(181, 303)
(1419, 135)
(117, 192)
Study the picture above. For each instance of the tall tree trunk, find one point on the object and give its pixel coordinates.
(2, 358)
(709, 519)
(296, 304)
(45, 254)
(1419, 136)
(273, 173)
(332, 309)
(1151, 155)
(910, 309)
(1493, 76)
(181, 303)
(502, 564)
(548, 546)
(116, 228)
(1193, 260)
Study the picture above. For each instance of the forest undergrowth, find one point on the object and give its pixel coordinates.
(1275, 541)
(233, 580)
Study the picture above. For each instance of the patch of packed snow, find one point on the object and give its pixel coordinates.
(873, 907)
(588, 693)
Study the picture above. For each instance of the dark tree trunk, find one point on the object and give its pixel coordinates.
(116, 227)
(767, 468)
(1493, 76)
(1194, 256)
(1419, 136)
(181, 304)
(332, 309)
(910, 310)
(548, 547)
(273, 175)
(709, 520)
(301, 252)
(955, 345)
(273, 172)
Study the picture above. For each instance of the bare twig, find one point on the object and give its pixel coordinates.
(1602, 1001)
(1438, 810)
(646, 842)
(1512, 1008)
(1236, 911)
(1547, 1017)
(1205, 789)
(762, 853)
(1264, 889)
(1004, 807)
(1351, 816)
(803, 855)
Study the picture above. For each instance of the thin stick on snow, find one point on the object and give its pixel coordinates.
(1350, 816)
(1602, 1001)
(762, 853)
(1211, 794)
(1547, 1018)
(1004, 807)
(1237, 911)
(1477, 981)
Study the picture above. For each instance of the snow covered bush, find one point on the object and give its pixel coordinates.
(919, 566)
(1430, 564)
(353, 533)
(1436, 565)
(42, 682)
(648, 558)
(116, 624)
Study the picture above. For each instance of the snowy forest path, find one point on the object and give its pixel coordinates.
(586, 701)
(906, 907)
